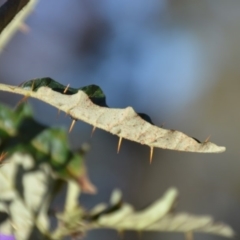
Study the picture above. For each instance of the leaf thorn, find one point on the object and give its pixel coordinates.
(58, 112)
(72, 125)
(151, 154)
(189, 235)
(207, 139)
(24, 99)
(162, 125)
(139, 234)
(32, 88)
(24, 28)
(93, 130)
(119, 144)
(65, 90)
(120, 233)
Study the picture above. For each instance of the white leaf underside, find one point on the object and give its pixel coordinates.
(160, 217)
(124, 123)
(24, 203)
(180, 222)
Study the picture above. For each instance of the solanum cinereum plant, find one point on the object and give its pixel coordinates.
(40, 154)
(37, 161)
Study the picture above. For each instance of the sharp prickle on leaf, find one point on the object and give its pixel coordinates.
(189, 235)
(24, 28)
(65, 90)
(32, 87)
(207, 139)
(24, 99)
(120, 234)
(119, 144)
(93, 130)
(72, 125)
(58, 112)
(151, 154)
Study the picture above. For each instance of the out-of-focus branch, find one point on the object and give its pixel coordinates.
(9, 10)
(12, 15)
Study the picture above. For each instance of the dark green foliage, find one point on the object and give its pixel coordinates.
(19, 132)
(94, 92)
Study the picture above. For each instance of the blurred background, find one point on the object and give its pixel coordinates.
(176, 60)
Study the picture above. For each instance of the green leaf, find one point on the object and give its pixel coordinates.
(35, 84)
(94, 92)
(10, 120)
(20, 133)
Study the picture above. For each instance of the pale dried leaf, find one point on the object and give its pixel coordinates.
(158, 217)
(184, 222)
(116, 197)
(156, 211)
(113, 220)
(98, 209)
(26, 202)
(125, 123)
